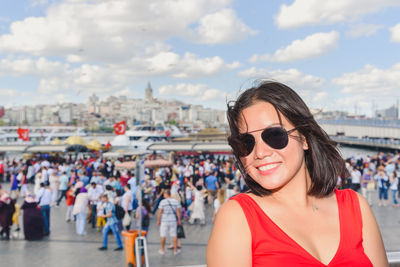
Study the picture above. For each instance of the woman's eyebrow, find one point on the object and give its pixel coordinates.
(269, 126)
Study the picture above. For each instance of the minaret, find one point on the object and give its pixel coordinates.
(149, 92)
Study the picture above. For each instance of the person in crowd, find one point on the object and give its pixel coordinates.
(383, 185)
(94, 193)
(189, 196)
(14, 185)
(101, 221)
(168, 218)
(111, 224)
(80, 209)
(44, 199)
(291, 168)
(69, 202)
(197, 207)
(367, 185)
(54, 181)
(212, 186)
(38, 181)
(126, 202)
(355, 179)
(164, 185)
(394, 182)
(221, 197)
(146, 215)
(24, 182)
(63, 187)
(7, 209)
(32, 219)
(15, 217)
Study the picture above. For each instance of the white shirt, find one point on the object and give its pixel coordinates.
(44, 195)
(355, 176)
(94, 194)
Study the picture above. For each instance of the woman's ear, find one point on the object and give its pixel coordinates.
(305, 143)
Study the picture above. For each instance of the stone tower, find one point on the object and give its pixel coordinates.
(149, 92)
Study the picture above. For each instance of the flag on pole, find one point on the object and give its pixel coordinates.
(120, 128)
(23, 134)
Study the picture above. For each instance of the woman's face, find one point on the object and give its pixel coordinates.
(271, 168)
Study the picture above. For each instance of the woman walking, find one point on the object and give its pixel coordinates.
(80, 210)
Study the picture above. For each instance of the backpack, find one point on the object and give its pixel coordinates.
(146, 220)
(119, 212)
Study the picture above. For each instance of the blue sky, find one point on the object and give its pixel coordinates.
(337, 54)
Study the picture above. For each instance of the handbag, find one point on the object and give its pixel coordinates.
(126, 220)
(371, 186)
(180, 233)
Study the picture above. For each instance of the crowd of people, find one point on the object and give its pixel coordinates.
(99, 195)
(380, 172)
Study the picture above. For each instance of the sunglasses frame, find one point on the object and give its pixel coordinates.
(264, 129)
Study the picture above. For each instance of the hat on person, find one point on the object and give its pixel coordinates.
(30, 198)
(5, 197)
(79, 184)
(83, 190)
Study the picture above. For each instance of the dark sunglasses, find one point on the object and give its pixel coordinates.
(275, 137)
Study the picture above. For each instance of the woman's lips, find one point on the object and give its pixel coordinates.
(268, 168)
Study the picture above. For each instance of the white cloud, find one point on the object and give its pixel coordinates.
(313, 12)
(371, 82)
(369, 88)
(312, 46)
(114, 31)
(292, 77)
(222, 27)
(395, 33)
(7, 93)
(197, 92)
(360, 30)
(29, 66)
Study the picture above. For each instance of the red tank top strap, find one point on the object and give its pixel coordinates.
(249, 209)
(350, 211)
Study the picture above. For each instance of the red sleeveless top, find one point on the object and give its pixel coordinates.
(271, 246)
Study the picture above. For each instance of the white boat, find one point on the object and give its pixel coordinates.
(38, 134)
(150, 133)
(141, 136)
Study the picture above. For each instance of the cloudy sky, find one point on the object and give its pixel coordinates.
(337, 54)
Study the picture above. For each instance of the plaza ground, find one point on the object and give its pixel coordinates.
(65, 248)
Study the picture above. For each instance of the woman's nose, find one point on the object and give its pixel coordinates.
(261, 149)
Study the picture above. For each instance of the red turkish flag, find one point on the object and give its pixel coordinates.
(120, 128)
(108, 145)
(167, 133)
(23, 134)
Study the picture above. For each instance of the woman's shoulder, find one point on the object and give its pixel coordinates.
(230, 240)
(231, 211)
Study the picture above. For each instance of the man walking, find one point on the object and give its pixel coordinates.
(112, 221)
(94, 193)
(44, 199)
(169, 217)
(212, 186)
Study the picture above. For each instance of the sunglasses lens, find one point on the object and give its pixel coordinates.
(246, 145)
(275, 137)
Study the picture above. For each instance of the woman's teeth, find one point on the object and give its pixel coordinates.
(268, 167)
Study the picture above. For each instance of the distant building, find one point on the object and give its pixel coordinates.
(149, 93)
(389, 113)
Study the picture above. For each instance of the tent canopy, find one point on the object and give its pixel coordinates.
(94, 145)
(75, 140)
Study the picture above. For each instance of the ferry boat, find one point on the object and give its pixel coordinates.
(38, 134)
(150, 133)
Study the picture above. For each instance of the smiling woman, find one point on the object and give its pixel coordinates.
(292, 215)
